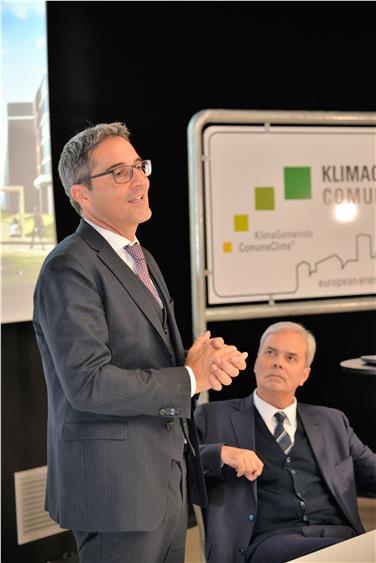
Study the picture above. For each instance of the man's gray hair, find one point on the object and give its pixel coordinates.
(293, 327)
(74, 159)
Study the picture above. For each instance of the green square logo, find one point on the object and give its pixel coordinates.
(241, 222)
(264, 199)
(297, 182)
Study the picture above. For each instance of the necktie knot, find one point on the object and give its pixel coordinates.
(136, 252)
(280, 416)
(142, 269)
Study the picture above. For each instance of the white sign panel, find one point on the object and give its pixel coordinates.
(290, 212)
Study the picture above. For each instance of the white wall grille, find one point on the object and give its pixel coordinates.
(33, 522)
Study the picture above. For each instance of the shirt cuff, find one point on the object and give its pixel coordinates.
(193, 380)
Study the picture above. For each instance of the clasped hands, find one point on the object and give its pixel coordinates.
(214, 363)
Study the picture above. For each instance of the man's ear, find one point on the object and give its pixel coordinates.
(79, 193)
(305, 376)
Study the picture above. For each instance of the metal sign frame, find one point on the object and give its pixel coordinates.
(201, 314)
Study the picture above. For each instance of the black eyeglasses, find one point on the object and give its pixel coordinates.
(122, 174)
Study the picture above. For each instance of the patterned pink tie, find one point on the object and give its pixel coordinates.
(142, 269)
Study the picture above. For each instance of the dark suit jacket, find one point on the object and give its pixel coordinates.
(115, 381)
(230, 516)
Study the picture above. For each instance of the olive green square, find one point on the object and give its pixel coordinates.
(241, 222)
(264, 199)
(297, 182)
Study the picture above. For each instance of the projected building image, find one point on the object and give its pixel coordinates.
(28, 219)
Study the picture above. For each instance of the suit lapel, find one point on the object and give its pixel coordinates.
(160, 283)
(242, 418)
(243, 425)
(124, 274)
(317, 439)
(314, 432)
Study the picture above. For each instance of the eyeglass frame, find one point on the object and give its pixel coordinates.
(132, 166)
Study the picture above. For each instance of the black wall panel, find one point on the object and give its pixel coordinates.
(153, 65)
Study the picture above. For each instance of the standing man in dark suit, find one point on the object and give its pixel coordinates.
(282, 476)
(120, 385)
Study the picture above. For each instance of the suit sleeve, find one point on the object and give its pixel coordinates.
(210, 452)
(364, 461)
(73, 335)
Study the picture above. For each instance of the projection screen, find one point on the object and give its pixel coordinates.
(27, 208)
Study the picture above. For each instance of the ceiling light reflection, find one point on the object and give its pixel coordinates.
(346, 212)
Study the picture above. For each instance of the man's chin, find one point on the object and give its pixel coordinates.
(274, 377)
(146, 216)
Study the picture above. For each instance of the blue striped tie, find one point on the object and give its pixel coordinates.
(280, 434)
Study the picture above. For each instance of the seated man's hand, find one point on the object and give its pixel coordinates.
(245, 462)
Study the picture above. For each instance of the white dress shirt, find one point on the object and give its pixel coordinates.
(267, 412)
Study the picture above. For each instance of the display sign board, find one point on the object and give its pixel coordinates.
(289, 212)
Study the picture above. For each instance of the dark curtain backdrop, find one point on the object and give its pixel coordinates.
(153, 65)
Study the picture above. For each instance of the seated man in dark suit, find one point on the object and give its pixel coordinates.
(282, 476)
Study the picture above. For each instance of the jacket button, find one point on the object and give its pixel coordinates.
(170, 425)
(241, 550)
(206, 471)
(251, 517)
